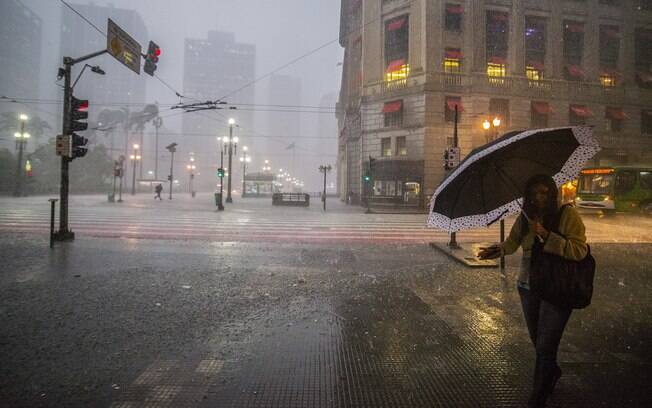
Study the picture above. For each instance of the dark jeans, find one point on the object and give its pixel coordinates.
(545, 323)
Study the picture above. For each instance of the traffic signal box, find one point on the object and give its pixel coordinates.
(151, 59)
(220, 172)
(77, 116)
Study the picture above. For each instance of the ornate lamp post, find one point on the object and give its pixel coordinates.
(21, 141)
(233, 149)
(135, 158)
(244, 160)
(325, 170)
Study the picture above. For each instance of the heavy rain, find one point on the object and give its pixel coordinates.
(325, 203)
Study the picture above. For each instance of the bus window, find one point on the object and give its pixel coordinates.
(646, 180)
(625, 181)
(596, 183)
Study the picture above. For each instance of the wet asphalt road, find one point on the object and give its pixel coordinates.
(145, 322)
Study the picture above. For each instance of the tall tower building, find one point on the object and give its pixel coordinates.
(284, 144)
(20, 53)
(216, 67)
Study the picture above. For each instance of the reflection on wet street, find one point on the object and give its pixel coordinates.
(126, 323)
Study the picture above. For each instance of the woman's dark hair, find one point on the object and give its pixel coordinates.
(549, 212)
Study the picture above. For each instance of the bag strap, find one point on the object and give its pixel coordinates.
(557, 220)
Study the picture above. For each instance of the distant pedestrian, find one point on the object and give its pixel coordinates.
(545, 321)
(158, 189)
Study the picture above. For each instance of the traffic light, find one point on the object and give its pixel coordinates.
(220, 172)
(78, 112)
(151, 59)
(79, 148)
(367, 178)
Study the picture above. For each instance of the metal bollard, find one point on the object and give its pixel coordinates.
(53, 203)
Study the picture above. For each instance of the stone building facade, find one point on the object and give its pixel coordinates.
(409, 63)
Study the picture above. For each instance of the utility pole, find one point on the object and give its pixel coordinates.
(122, 172)
(325, 170)
(171, 148)
(157, 122)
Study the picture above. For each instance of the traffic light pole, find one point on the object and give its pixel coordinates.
(64, 233)
(453, 237)
(171, 172)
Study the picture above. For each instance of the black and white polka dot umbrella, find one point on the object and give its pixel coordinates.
(488, 183)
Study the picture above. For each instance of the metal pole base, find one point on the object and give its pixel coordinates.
(229, 200)
(63, 236)
(220, 207)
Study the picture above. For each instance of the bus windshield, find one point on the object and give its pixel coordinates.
(596, 183)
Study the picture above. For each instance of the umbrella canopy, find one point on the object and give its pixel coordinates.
(488, 184)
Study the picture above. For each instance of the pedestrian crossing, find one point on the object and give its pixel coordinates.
(253, 227)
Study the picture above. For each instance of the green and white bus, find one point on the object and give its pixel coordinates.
(617, 188)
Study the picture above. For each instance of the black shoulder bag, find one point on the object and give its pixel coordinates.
(560, 281)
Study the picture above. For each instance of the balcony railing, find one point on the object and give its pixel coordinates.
(578, 92)
(544, 89)
(624, 141)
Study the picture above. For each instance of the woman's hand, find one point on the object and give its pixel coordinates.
(538, 229)
(491, 252)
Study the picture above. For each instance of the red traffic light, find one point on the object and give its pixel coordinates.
(157, 52)
(83, 106)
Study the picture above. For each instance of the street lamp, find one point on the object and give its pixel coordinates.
(191, 170)
(244, 160)
(134, 159)
(21, 141)
(325, 170)
(232, 142)
(487, 125)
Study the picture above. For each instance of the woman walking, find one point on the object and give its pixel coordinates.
(545, 321)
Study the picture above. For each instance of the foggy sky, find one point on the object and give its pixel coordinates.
(281, 30)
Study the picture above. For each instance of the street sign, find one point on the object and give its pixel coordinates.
(123, 47)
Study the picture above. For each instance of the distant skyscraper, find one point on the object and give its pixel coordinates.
(20, 54)
(214, 68)
(284, 144)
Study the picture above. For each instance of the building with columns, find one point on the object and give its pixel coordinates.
(532, 64)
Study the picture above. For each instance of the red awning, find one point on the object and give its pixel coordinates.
(455, 8)
(391, 107)
(396, 24)
(453, 53)
(539, 66)
(645, 77)
(542, 108)
(581, 111)
(499, 16)
(575, 71)
(452, 101)
(575, 27)
(395, 65)
(611, 32)
(616, 113)
(609, 72)
(497, 60)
